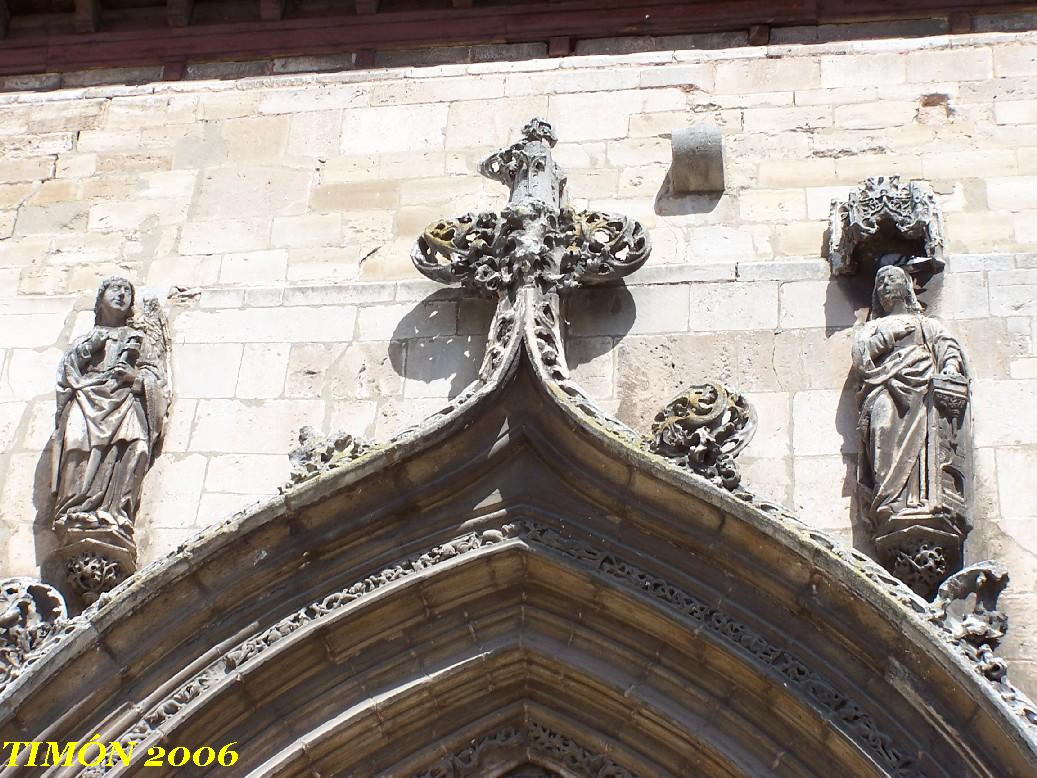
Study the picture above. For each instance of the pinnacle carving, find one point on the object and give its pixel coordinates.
(534, 248)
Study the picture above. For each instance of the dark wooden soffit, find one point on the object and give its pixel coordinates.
(82, 34)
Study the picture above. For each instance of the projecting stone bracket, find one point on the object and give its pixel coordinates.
(698, 160)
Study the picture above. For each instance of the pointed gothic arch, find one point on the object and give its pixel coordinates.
(517, 567)
(521, 582)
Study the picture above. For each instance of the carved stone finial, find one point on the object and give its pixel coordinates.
(30, 612)
(317, 453)
(883, 222)
(915, 466)
(112, 400)
(535, 247)
(703, 429)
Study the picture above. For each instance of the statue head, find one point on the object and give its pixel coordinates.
(114, 301)
(893, 285)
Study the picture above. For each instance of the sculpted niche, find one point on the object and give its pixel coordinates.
(112, 399)
(915, 448)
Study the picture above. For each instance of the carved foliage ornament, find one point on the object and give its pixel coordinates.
(30, 613)
(537, 740)
(703, 429)
(536, 239)
(317, 454)
(966, 610)
(884, 216)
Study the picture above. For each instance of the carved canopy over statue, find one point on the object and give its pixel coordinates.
(914, 444)
(112, 397)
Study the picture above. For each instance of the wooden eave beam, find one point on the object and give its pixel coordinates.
(88, 16)
(178, 12)
(272, 10)
(535, 22)
(5, 18)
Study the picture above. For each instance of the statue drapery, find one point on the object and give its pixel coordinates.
(913, 443)
(112, 397)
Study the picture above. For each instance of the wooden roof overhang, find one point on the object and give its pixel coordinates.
(65, 35)
(516, 581)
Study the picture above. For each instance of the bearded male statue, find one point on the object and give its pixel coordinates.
(915, 449)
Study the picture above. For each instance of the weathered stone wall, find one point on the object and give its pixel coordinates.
(284, 209)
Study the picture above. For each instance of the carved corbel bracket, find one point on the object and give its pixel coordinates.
(698, 160)
(884, 221)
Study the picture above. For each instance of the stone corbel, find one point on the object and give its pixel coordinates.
(698, 160)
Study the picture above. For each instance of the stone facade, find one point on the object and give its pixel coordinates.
(278, 214)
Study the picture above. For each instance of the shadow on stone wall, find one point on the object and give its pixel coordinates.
(44, 539)
(601, 316)
(436, 350)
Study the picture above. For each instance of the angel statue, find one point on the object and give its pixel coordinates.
(112, 398)
(915, 452)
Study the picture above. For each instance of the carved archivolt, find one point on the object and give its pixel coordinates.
(538, 740)
(848, 715)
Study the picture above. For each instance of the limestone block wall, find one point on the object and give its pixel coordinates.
(278, 214)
